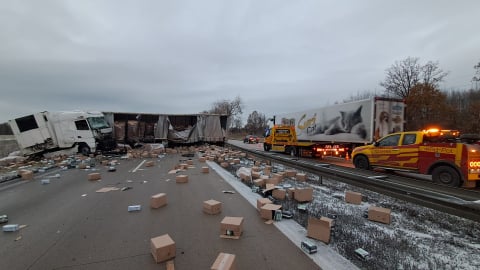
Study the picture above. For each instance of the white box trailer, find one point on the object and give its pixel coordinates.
(52, 131)
(346, 125)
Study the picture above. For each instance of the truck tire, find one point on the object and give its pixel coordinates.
(446, 175)
(84, 149)
(266, 147)
(361, 162)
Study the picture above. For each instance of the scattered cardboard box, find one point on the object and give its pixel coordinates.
(320, 229)
(353, 197)
(158, 200)
(212, 207)
(268, 210)
(379, 214)
(231, 226)
(279, 194)
(290, 173)
(259, 182)
(170, 265)
(181, 178)
(202, 159)
(301, 177)
(106, 189)
(149, 163)
(162, 248)
(303, 194)
(26, 175)
(261, 202)
(205, 169)
(224, 261)
(255, 174)
(94, 176)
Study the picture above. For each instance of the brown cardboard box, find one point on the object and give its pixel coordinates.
(236, 161)
(291, 193)
(149, 163)
(190, 162)
(162, 248)
(182, 178)
(274, 181)
(94, 176)
(26, 175)
(353, 197)
(212, 207)
(104, 162)
(233, 225)
(278, 177)
(205, 169)
(184, 166)
(261, 202)
(279, 194)
(302, 177)
(255, 175)
(255, 169)
(224, 261)
(290, 173)
(82, 166)
(379, 214)
(259, 182)
(268, 210)
(202, 159)
(304, 194)
(158, 200)
(319, 229)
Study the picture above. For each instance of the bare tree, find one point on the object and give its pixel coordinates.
(256, 123)
(476, 78)
(231, 108)
(405, 74)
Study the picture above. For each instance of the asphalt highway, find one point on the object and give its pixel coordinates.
(71, 226)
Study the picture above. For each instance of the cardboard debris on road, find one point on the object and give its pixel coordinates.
(181, 178)
(231, 227)
(224, 261)
(106, 189)
(170, 265)
(212, 207)
(94, 176)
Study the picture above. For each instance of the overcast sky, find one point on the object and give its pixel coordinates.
(181, 56)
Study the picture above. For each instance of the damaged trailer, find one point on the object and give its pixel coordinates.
(168, 129)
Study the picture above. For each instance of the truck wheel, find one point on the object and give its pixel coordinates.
(446, 175)
(84, 150)
(361, 162)
(266, 147)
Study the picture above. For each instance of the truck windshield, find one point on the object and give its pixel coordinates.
(97, 122)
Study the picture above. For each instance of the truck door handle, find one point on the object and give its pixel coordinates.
(395, 149)
(79, 136)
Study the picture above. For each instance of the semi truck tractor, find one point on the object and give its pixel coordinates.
(39, 133)
(335, 130)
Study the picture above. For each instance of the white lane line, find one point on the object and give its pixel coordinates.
(139, 165)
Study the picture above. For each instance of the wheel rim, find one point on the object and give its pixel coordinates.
(445, 178)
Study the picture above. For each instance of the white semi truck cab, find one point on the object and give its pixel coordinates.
(43, 132)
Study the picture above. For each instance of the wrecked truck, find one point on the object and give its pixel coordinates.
(86, 132)
(168, 129)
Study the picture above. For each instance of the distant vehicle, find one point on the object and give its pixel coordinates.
(251, 139)
(45, 132)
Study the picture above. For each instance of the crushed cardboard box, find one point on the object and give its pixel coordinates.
(268, 210)
(261, 202)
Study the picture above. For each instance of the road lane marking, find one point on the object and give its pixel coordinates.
(139, 165)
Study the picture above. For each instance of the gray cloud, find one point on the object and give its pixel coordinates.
(181, 56)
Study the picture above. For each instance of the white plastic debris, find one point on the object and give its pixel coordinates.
(132, 208)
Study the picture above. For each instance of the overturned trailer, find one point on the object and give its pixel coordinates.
(169, 129)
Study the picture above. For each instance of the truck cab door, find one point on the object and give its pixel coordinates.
(83, 133)
(397, 151)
